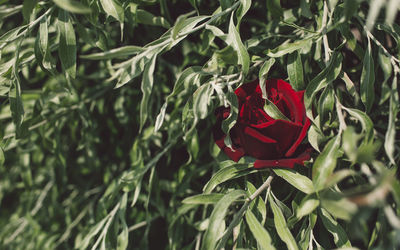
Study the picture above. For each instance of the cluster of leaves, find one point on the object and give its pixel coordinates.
(107, 110)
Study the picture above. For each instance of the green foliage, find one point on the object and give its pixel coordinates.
(107, 111)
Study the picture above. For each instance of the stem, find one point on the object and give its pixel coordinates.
(239, 215)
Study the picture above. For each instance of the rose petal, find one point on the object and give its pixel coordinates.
(291, 98)
(284, 132)
(256, 144)
(246, 90)
(284, 163)
(303, 134)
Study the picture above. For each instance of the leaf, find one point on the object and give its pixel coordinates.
(230, 121)
(202, 199)
(273, 111)
(123, 237)
(339, 235)
(338, 205)
(201, 100)
(113, 8)
(325, 163)
(217, 217)
(297, 180)
(307, 206)
(281, 226)
(295, 71)
(236, 43)
(224, 174)
(262, 75)
(242, 10)
(2, 158)
(274, 7)
(73, 6)
(259, 232)
(114, 53)
(287, 48)
(367, 80)
(366, 123)
(326, 104)
(390, 136)
(67, 46)
(146, 17)
(257, 205)
(27, 8)
(146, 87)
(319, 82)
(225, 4)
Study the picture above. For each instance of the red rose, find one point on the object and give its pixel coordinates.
(274, 143)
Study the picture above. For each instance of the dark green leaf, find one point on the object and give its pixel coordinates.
(211, 198)
(72, 6)
(295, 71)
(368, 80)
(67, 46)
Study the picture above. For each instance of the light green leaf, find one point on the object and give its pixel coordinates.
(295, 71)
(224, 174)
(211, 198)
(67, 46)
(113, 8)
(287, 48)
(259, 232)
(337, 205)
(201, 100)
(146, 87)
(236, 43)
(366, 123)
(230, 121)
(326, 104)
(258, 205)
(281, 226)
(339, 235)
(368, 79)
(262, 76)
(297, 180)
(123, 237)
(73, 6)
(273, 111)
(114, 53)
(390, 136)
(325, 163)
(307, 206)
(217, 217)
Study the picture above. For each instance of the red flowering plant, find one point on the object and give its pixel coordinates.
(272, 141)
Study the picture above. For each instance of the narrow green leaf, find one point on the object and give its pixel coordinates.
(262, 76)
(274, 7)
(230, 121)
(307, 206)
(297, 180)
(224, 174)
(366, 123)
(257, 205)
(217, 217)
(259, 232)
(67, 46)
(146, 17)
(287, 48)
(339, 235)
(272, 110)
(295, 71)
(325, 163)
(326, 104)
(201, 100)
(281, 225)
(236, 43)
(146, 87)
(27, 8)
(390, 136)
(368, 80)
(73, 6)
(242, 10)
(113, 8)
(114, 53)
(123, 237)
(2, 158)
(319, 82)
(211, 198)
